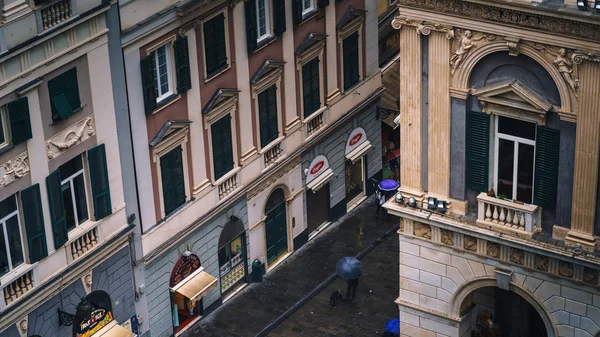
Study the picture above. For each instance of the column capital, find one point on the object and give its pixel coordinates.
(579, 55)
(423, 27)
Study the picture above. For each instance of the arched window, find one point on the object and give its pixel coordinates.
(232, 255)
(276, 198)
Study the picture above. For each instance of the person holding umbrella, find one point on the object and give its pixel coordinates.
(349, 268)
(392, 328)
(382, 188)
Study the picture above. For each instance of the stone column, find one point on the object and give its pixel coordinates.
(410, 111)
(439, 115)
(331, 53)
(586, 156)
(292, 119)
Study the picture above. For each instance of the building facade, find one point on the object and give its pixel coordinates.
(499, 169)
(65, 262)
(229, 103)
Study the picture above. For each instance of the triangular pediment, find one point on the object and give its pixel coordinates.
(168, 129)
(513, 94)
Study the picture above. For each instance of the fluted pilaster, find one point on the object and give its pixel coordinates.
(586, 157)
(439, 115)
(410, 109)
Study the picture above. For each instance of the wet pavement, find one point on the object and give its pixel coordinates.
(259, 304)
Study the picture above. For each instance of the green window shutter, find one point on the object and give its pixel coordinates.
(172, 176)
(297, 11)
(263, 117)
(148, 82)
(217, 149)
(279, 17)
(307, 90)
(71, 90)
(251, 33)
(478, 137)
(316, 84)
(64, 94)
(227, 141)
(350, 56)
(34, 223)
(182, 64)
(222, 146)
(99, 182)
(547, 147)
(273, 120)
(20, 125)
(323, 3)
(214, 44)
(57, 209)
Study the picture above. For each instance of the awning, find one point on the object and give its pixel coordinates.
(359, 151)
(321, 180)
(196, 285)
(114, 330)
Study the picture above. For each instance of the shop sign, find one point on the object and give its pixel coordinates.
(98, 319)
(132, 324)
(357, 137)
(184, 267)
(317, 166)
(389, 46)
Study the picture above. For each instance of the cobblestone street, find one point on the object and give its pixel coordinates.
(259, 304)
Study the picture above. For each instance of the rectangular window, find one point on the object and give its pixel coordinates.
(4, 130)
(64, 94)
(515, 159)
(263, 24)
(11, 243)
(307, 6)
(311, 90)
(222, 146)
(267, 115)
(173, 181)
(163, 73)
(215, 48)
(74, 192)
(351, 60)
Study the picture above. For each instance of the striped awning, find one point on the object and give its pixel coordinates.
(359, 151)
(321, 180)
(114, 330)
(195, 286)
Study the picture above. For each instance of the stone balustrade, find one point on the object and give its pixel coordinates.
(56, 13)
(272, 154)
(315, 122)
(17, 288)
(508, 215)
(84, 243)
(228, 185)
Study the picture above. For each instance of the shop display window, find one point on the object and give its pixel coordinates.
(355, 179)
(231, 263)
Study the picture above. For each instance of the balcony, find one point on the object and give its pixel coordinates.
(17, 288)
(84, 244)
(272, 153)
(54, 14)
(508, 216)
(228, 184)
(315, 122)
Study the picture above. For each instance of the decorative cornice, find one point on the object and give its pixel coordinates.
(423, 27)
(71, 136)
(273, 178)
(14, 169)
(511, 17)
(233, 3)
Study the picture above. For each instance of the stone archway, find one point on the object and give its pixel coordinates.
(472, 285)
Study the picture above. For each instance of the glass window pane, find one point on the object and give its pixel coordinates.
(516, 128)
(8, 206)
(69, 210)
(14, 241)
(505, 168)
(163, 80)
(525, 173)
(71, 167)
(80, 199)
(262, 18)
(4, 267)
(2, 136)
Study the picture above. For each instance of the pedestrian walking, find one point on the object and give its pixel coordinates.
(380, 196)
(352, 285)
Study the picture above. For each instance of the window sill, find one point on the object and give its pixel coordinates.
(227, 176)
(353, 86)
(166, 102)
(314, 114)
(271, 145)
(172, 214)
(6, 148)
(308, 15)
(58, 120)
(79, 231)
(16, 273)
(263, 43)
(216, 73)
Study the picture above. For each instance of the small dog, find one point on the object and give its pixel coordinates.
(335, 298)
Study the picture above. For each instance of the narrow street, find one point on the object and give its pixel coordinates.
(260, 304)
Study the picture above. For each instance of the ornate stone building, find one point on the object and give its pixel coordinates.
(499, 149)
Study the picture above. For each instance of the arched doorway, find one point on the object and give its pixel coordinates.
(491, 311)
(232, 256)
(276, 226)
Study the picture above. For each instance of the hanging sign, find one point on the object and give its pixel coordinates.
(357, 137)
(184, 267)
(97, 319)
(317, 166)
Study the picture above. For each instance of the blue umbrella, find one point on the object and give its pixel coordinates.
(393, 326)
(388, 185)
(348, 268)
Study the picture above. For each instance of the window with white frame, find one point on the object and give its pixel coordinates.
(4, 127)
(514, 159)
(263, 18)
(163, 74)
(74, 192)
(307, 6)
(11, 242)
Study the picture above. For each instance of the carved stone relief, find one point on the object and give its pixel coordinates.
(14, 169)
(513, 46)
(273, 178)
(590, 276)
(493, 250)
(422, 27)
(517, 256)
(422, 230)
(470, 243)
(466, 42)
(562, 58)
(447, 237)
(541, 262)
(22, 325)
(71, 136)
(565, 269)
(87, 282)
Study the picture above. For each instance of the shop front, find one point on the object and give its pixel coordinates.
(356, 150)
(317, 194)
(232, 257)
(188, 285)
(94, 317)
